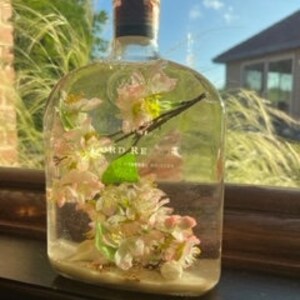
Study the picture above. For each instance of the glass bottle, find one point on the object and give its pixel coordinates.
(134, 167)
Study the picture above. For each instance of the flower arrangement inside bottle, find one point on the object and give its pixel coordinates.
(129, 232)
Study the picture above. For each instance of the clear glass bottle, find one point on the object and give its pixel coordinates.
(134, 167)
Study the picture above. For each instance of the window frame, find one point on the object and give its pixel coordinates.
(266, 61)
(263, 79)
(261, 224)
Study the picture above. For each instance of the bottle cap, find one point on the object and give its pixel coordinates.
(136, 17)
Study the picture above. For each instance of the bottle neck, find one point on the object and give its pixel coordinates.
(134, 48)
(135, 29)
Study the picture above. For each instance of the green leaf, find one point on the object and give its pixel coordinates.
(123, 169)
(65, 119)
(107, 251)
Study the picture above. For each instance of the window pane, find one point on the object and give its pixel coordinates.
(280, 83)
(253, 77)
(33, 58)
(40, 42)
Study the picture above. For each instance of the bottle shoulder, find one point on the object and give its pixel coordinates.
(158, 83)
(139, 92)
(109, 72)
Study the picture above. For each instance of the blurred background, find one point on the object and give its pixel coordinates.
(250, 51)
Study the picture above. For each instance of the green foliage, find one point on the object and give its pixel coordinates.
(36, 19)
(254, 152)
(52, 37)
(108, 252)
(123, 169)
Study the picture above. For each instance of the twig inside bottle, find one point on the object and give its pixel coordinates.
(155, 123)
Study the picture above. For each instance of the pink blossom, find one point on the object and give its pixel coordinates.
(190, 251)
(141, 230)
(185, 252)
(131, 104)
(76, 186)
(77, 103)
(172, 221)
(185, 222)
(161, 83)
(123, 260)
(129, 249)
(136, 88)
(61, 194)
(73, 109)
(139, 99)
(81, 148)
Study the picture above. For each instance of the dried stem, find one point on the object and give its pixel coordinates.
(156, 123)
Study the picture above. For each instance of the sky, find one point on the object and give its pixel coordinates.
(193, 32)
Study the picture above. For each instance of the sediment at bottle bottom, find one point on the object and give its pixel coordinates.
(195, 281)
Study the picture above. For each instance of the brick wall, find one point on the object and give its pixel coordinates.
(8, 132)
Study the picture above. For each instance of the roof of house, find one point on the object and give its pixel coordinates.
(282, 36)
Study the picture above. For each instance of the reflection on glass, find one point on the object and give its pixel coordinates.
(253, 77)
(280, 83)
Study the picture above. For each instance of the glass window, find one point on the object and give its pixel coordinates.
(280, 83)
(49, 38)
(254, 77)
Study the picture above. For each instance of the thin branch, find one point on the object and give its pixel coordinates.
(157, 122)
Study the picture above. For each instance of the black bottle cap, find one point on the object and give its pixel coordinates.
(136, 17)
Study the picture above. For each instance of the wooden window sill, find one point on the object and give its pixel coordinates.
(25, 273)
(261, 224)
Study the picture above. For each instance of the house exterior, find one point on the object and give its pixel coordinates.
(8, 121)
(269, 63)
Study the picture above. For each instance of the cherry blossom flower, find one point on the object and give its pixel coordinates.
(135, 225)
(190, 251)
(81, 148)
(128, 251)
(161, 83)
(138, 225)
(76, 186)
(77, 103)
(61, 194)
(140, 101)
(109, 201)
(73, 109)
(130, 223)
(180, 227)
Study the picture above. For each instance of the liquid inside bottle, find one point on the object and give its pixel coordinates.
(134, 169)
